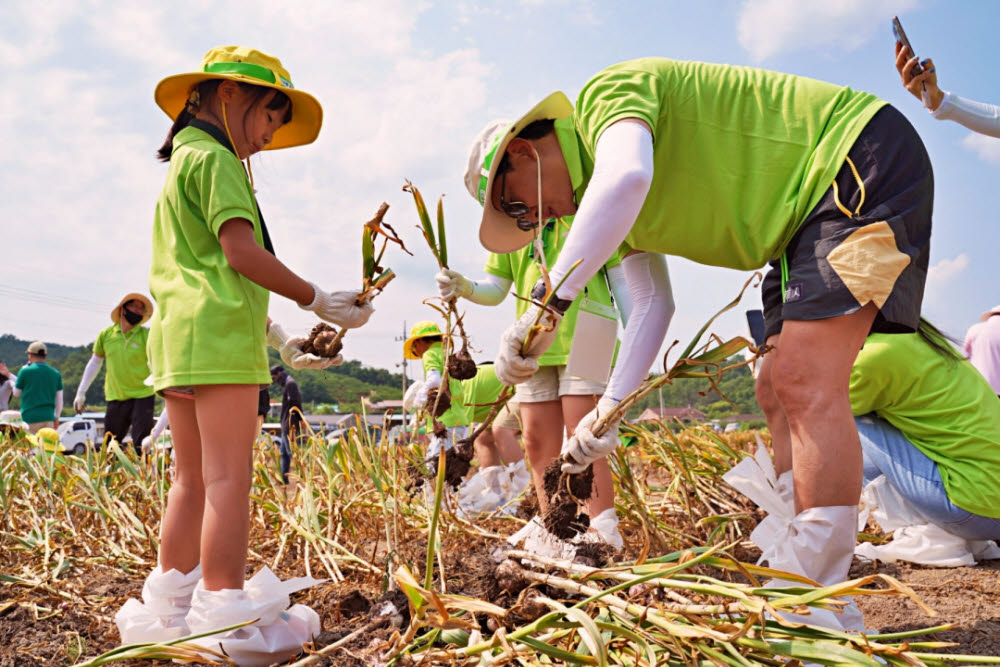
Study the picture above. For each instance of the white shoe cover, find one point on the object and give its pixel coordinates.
(539, 541)
(914, 537)
(605, 527)
(484, 492)
(520, 479)
(819, 544)
(784, 486)
(276, 637)
(166, 599)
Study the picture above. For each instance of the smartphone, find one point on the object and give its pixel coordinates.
(900, 35)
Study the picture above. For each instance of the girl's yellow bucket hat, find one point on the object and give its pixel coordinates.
(239, 63)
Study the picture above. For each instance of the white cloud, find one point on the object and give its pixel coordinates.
(987, 148)
(942, 275)
(769, 27)
(79, 184)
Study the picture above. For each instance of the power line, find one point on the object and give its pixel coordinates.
(50, 299)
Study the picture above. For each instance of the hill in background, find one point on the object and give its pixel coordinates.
(344, 385)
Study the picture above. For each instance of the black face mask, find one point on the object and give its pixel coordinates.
(132, 318)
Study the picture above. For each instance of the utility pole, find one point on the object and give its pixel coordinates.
(402, 365)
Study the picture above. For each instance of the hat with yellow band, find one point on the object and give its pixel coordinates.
(239, 63)
(497, 232)
(425, 329)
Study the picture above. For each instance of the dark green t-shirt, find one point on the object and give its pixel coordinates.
(38, 383)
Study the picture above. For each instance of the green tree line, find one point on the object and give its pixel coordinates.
(341, 385)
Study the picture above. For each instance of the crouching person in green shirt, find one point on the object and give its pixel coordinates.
(739, 168)
(497, 449)
(129, 399)
(930, 422)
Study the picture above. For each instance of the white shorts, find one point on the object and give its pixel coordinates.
(551, 382)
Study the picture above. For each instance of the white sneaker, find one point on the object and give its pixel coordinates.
(166, 599)
(276, 637)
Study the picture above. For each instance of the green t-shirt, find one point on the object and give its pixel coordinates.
(126, 368)
(39, 384)
(209, 323)
(945, 408)
(740, 155)
(480, 392)
(521, 268)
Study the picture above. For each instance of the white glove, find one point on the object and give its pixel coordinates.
(290, 349)
(79, 403)
(147, 444)
(340, 307)
(452, 285)
(511, 366)
(410, 397)
(583, 447)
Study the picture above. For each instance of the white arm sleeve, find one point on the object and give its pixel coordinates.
(977, 116)
(432, 381)
(489, 291)
(623, 172)
(89, 373)
(619, 290)
(161, 424)
(652, 310)
(59, 404)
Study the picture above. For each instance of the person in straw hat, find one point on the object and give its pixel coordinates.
(212, 271)
(130, 400)
(733, 167)
(982, 346)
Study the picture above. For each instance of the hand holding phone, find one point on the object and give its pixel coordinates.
(900, 35)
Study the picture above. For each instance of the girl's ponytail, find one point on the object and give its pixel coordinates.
(187, 114)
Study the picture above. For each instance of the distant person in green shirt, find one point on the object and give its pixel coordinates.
(40, 388)
(130, 400)
(471, 402)
(739, 168)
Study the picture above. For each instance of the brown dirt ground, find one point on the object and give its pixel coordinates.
(74, 619)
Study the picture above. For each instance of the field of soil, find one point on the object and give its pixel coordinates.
(61, 625)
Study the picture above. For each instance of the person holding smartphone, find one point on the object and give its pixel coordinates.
(920, 78)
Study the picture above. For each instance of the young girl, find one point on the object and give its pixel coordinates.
(212, 270)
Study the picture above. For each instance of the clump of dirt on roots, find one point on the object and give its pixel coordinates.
(528, 507)
(323, 341)
(457, 462)
(441, 404)
(565, 492)
(460, 364)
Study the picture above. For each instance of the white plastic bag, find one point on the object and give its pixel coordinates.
(914, 538)
(277, 636)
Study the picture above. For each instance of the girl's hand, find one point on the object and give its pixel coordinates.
(923, 86)
(340, 308)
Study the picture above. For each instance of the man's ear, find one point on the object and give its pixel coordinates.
(519, 149)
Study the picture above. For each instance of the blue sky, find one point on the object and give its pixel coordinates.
(405, 87)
